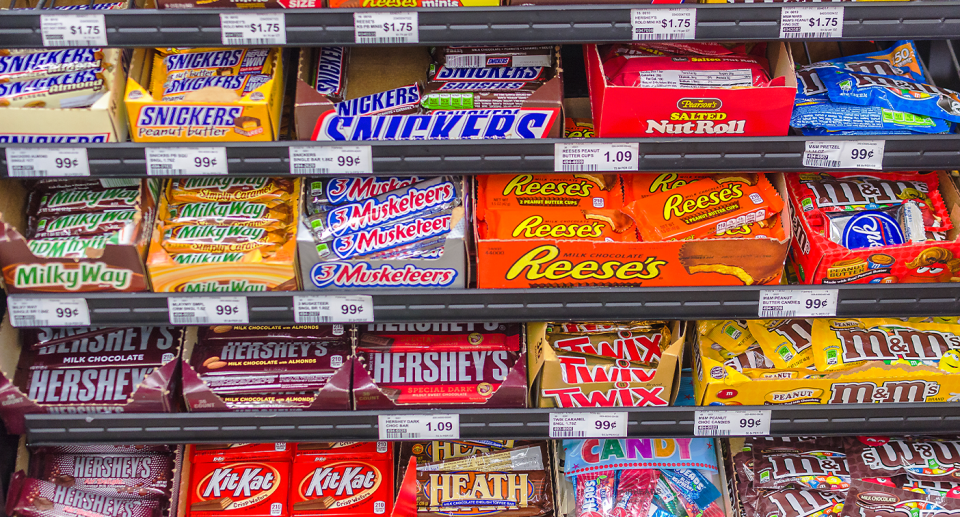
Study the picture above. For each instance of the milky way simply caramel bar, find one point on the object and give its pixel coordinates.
(118, 475)
(38, 498)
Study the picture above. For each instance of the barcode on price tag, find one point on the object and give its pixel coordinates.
(73, 30)
(330, 308)
(611, 424)
(208, 310)
(844, 154)
(596, 157)
(186, 161)
(732, 423)
(663, 24)
(339, 159)
(253, 29)
(419, 427)
(806, 303)
(43, 162)
(48, 312)
(389, 27)
(811, 22)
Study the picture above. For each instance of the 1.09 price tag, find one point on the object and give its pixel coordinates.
(328, 309)
(208, 310)
(732, 423)
(42, 162)
(610, 424)
(419, 427)
(186, 161)
(337, 159)
(596, 157)
(48, 312)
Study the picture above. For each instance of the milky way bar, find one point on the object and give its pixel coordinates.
(37, 498)
(333, 333)
(73, 201)
(441, 99)
(136, 346)
(118, 475)
(330, 71)
(398, 101)
(45, 64)
(76, 90)
(224, 358)
(240, 84)
(82, 224)
(445, 74)
(400, 337)
(482, 57)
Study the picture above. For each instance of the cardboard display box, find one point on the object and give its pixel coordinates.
(870, 383)
(254, 118)
(334, 396)
(104, 121)
(153, 394)
(629, 111)
(548, 371)
(276, 273)
(116, 267)
(449, 270)
(525, 263)
(821, 261)
(316, 116)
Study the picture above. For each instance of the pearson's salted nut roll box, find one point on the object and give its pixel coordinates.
(255, 117)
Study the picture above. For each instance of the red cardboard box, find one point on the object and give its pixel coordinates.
(630, 111)
(822, 261)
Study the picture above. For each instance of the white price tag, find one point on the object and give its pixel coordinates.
(663, 24)
(208, 310)
(811, 22)
(844, 154)
(611, 424)
(380, 27)
(428, 426)
(807, 303)
(732, 423)
(42, 162)
(186, 161)
(596, 157)
(339, 159)
(72, 30)
(48, 312)
(330, 308)
(253, 28)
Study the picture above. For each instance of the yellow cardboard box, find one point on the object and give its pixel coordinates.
(254, 118)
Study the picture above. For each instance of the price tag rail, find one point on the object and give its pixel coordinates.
(476, 424)
(523, 305)
(761, 154)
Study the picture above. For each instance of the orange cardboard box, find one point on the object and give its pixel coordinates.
(525, 263)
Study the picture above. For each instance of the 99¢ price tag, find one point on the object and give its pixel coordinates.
(208, 310)
(419, 427)
(328, 309)
(253, 29)
(663, 24)
(596, 157)
(732, 423)
(44, 162)
(73, 30)
(338, 159)
(186, 161)
(610, 424)
(844, 154)
(48, 312)
(380, 27)
(807, 303)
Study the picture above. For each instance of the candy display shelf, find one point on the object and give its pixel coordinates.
(492, 25)
(924, 152)
(521, 305)
(841, 419)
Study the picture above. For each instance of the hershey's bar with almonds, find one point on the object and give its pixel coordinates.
(37, 498)
(135, 346)
(118, 475)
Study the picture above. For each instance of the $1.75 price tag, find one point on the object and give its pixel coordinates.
(663, 24)
(73, 30)
(186, 161)
(48, 312)
(40, 162)
(732, 423)
(419, 427)
(611, 424)
(338, 159)
(253, 29)
(811, 22)
(806, 303)
(388, 27)
(596, 157)
(208, 310)
(327, 309)
(844, 154)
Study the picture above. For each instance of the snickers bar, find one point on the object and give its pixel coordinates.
(45, 64)
(398, 101)
(483, 57)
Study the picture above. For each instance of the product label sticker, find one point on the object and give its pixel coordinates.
(419, 427)
(328, 309)
(844, 154)
(811, 22)
(208, 310)
(26, 311)
(253, 29)
(732, 423)
(806, 303)
(596, 157)
(663, 24)
(73, 30)
(46, 162)
(186, 161)
(338, 159)
(386, 27)
(609, 424)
